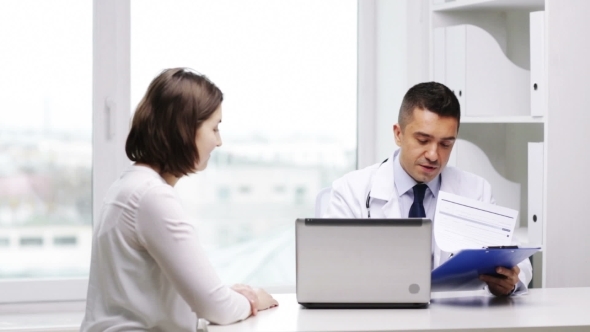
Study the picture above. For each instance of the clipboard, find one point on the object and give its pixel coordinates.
(461, 271)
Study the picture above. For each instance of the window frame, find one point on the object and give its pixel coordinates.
(110, 81)
(111, 95)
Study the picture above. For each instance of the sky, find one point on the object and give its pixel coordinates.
(287, 68)
(46, 66)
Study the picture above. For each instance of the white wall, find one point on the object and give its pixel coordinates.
(567, 231)
(391, 71)
(393, 56)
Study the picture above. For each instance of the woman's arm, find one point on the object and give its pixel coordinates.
(165, 232)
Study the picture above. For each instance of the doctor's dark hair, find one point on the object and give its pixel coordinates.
(165, 123)
(432, 96)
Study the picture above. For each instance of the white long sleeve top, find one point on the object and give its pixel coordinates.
(148, 270)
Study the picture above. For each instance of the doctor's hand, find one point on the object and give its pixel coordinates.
(504, 284)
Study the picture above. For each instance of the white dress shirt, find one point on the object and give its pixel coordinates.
(148, 270)
(405, 184)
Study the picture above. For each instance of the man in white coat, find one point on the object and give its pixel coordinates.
(426, 131)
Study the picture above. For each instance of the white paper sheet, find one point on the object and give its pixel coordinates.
(464, 223)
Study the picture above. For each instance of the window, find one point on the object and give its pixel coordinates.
(31, 241)
(65, 240)
(279, 189)
(288, 73)
(45, 136)
(245, 190)
(223, 193)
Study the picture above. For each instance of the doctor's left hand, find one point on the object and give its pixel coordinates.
(504, 284)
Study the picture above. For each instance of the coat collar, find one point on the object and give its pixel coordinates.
(382, 182)
(382, 186)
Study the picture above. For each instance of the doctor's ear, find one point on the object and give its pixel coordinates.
(397, 132)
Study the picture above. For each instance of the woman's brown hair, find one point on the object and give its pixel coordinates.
(167, 118)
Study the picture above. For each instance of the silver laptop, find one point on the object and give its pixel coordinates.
(363, 263)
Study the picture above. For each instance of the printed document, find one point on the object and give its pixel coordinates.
(464, 223)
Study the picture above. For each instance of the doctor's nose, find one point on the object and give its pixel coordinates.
(431, 153)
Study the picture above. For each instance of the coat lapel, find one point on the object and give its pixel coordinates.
(384, 197)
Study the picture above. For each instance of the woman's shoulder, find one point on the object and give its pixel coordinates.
(138, 183)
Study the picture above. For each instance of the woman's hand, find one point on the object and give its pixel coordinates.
(265, 300)
(259, 299)
(250, 294)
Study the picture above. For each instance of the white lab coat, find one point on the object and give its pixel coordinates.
(349, 195)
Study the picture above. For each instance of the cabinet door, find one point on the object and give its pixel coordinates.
(455, 62)
(470, 62)
(439, 63)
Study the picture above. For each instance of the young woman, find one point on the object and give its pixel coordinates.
(148, 270)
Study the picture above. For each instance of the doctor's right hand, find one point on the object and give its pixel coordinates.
(503, 285)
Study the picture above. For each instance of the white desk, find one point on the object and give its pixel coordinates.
(548, 309)
(552, 309)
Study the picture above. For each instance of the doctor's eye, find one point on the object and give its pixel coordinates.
(446, 145)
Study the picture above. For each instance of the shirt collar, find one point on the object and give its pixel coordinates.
(404, 182)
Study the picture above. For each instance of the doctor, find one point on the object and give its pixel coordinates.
(407, 183)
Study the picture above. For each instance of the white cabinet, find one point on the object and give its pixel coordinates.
(471, 63)
(538, 82)
(548, 41)
(567, 226)
(485, 53)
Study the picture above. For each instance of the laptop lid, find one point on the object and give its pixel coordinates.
(363, 262)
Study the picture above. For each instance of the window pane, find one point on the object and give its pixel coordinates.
(288, 73)
(45, 138)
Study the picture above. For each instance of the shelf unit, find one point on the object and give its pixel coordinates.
(554, 48)
(482, 49)
(501, 119)
(482, 5)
